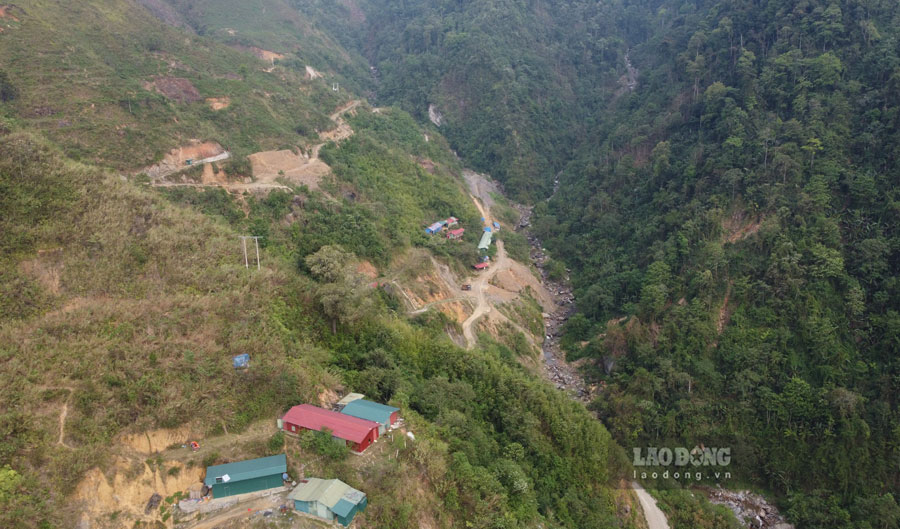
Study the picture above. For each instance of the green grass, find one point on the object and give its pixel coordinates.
(82, 70)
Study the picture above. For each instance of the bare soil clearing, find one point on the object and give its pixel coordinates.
(63, 412)
(127, 491)
(738, 227)
(155, 462)
(268, 166)
(199, 152)
(46, 269)
(175, 88)
(311, 73)
(218, 103)
(6, 11)
(266, 55)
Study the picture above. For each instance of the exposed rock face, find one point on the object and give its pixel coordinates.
(435, 116)
(752, 510)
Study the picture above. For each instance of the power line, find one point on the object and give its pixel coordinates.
(244, 246)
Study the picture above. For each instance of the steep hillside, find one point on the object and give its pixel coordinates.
(121, 313)
(732, 228)
(271, 28)
(112, 84)
(513, 86)
(122, 303)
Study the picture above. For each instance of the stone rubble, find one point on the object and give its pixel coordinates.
(563, 375)
(752, 510)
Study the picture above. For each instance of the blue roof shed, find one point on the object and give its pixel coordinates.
(372, 411)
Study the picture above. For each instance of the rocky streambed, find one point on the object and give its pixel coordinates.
(752, 510)
(561, 373)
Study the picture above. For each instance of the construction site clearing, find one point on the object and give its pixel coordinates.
(232, 494)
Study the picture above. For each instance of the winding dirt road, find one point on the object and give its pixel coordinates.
(656, 519)
(482, 305)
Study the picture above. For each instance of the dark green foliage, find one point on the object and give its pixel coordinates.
(8, 90)
(516, 83)
(324, 444)
(510, 439)
(275, 444)
(741, 206)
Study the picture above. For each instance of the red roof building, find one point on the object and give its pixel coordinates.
(358, 433)
(456, 234)
(481, 266)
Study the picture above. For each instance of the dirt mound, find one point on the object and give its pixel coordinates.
(327, 398)
(426, 164)
(264, 55)
(12, 12)
(176, 160)
(517, 278)
(268, 166)
(175, 88)
(126, 492)
(367, 269)
(457, 310)
(218, 103)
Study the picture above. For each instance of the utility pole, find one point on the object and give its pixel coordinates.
(244, 246)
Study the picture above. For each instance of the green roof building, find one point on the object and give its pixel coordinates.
(330, 499)
(243, 477)
(384, 415)
(485, 241)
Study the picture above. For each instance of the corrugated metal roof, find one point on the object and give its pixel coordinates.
(372, 411)
(459, 231)
(341, 426)
(485, 241)
(342, 508)
(243, 470)
(329, 492)
(350, 397)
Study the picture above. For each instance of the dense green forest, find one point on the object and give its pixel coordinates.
(518, 83)
(740, 210)
(737, 205)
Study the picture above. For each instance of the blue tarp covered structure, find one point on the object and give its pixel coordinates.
(436, 227)
(241, 361)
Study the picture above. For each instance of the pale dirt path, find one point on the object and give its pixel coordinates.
(656, 519)
(62, 423)
(482, 305)
(247, 509)
(63, 413)
(427, 306)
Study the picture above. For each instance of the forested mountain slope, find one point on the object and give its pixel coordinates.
(517, 83)
(122, 304)
(738, 207)
(740, 210)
